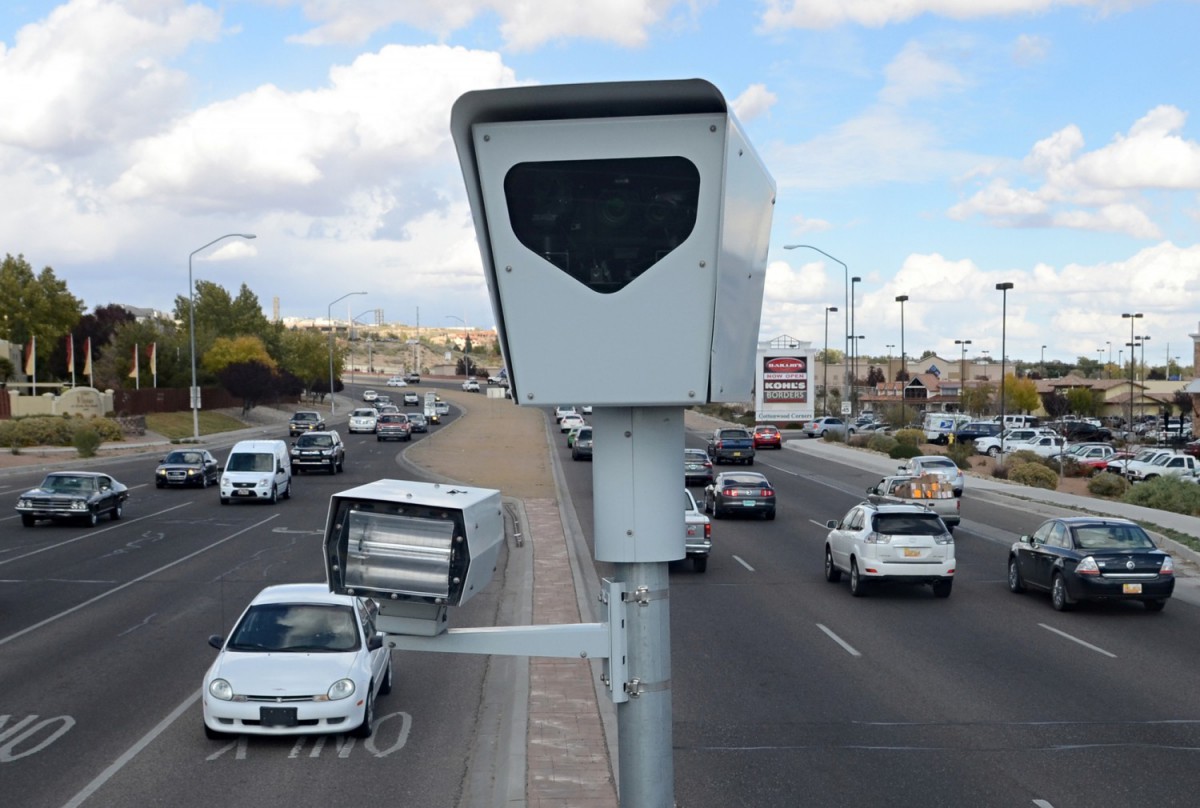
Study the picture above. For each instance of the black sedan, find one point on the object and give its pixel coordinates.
(187, 467)
(744, 492)
(1092, 558)
(82, 496)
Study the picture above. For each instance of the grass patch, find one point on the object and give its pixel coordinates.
(177, 426)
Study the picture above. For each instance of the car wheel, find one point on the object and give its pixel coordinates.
(1015, 583)
(749, 461)
(1154, 605)
(213, 735)
(1059, 598)
(159, 485)
(824, 432)
(386, 687)
(203, 481)
(341, 465)
(116, 512)
(224, 500)
(942, 588)
(274, 494)
(378, 439)
(91, 519)
(700, 564)
(832, 573)
(363, 730)
(717, 512)
(287, 492)
(993, 451)
(770, 516)
(27, 520)
(858, 587)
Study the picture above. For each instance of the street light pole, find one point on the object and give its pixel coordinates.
(329, 319)
(846, 309)
(1099, 361)
(1043, 363)
(1003, 289)
(1131, 317)
(962, 371)
(825, 364)
(901, 299)
(1142, 407)
(195, 391)
(853, 346)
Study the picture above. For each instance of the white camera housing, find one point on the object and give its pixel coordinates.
(624, 230)
(415, 548)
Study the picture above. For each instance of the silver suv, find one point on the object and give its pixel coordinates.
(875, 542)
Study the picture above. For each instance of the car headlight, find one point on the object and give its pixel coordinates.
(341, 689)
(79, 505)
(161, 472)
(220, 689)
(22, 503)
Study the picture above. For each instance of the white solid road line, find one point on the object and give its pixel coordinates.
(1095, 648)
(739, 560)
(845, 645)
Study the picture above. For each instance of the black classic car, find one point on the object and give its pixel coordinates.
(305, 421)
(82, 496)
(187, 467)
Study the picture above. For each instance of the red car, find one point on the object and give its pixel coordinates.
(767, 437)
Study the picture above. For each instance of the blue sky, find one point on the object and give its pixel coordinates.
(936, 147)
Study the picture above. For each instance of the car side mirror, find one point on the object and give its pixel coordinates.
(831, 524)
(374, 642)
(1027, 540)
(216, 641)
(220, 469)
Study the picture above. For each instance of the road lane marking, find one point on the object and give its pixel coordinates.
(845, 645)
(739, 560)
(94, 532)
(127, 584)
(1042, 804)
(1064, 634)
(130, 753)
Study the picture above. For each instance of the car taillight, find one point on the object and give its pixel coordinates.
(1168, 567)
(707, 464)
(719, 444)
(1087, 566)
(877, 538)
(766, 492)
(708, 532)
(730, 492)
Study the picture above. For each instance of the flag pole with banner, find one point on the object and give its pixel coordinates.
(134, 374)
(154, 362)
(87, 361)
(71, 357)
(31, 364)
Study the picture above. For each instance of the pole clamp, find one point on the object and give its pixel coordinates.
(643, 595)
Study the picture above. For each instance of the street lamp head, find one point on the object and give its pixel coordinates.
(1134, 316)
(901, 298)
(1004, 287)
(855, 279)
(831, 308)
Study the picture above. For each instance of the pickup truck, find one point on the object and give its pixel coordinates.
(931, 490)
(1183, 466)
(731, 445)
(1044, 446)
(697, 536)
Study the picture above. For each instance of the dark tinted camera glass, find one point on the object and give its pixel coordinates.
(603, 222)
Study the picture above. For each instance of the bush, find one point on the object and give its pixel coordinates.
(1014, 459)
(903, 451)
(1034, 474)
(1166, 494)
(912, 437)
(859, 441)
(881, 443)
(961, 454)
(53, 430)
(1106, 484)
(86, 441)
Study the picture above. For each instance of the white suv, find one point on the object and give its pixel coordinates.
(875, 542)
(991, 446)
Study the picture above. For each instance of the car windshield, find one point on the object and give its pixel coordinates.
(364, 413)
(63, 482)
(323, 441)
(250, 461)
(938, 464)
(184, 458)
(695, 456)
(907, 524)
(744, 481)
(733, 434)
(1112, 537)
(304, 416)
(296, 628)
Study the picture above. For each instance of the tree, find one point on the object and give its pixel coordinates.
(1083, 401)
(875, 376)
(1056, 405)
(242, 349)
(252, 381)
(305, 354)
(978, 399)
(1020, 395)
(6, 369)
(35, 306)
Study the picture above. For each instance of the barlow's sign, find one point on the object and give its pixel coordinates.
(783, 391)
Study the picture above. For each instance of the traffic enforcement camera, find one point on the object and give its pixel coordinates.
(415, 548)
(624, 231)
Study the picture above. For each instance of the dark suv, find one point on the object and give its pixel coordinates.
(319, 450)
(977, 429)
(305, 421)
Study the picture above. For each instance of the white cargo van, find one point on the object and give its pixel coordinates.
(256, 470)
(939, 426)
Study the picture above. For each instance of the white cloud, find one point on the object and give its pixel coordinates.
(523, 26)
(818, 14)
(1029, 49)
(381, 116)
(916, 74)
(96, 71)
(1093, 190)
(756, 100)
(803, 224)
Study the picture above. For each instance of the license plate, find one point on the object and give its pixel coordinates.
(277, 716)
(749, 503)
(912, 552)
(1131, 589)
(243, 492)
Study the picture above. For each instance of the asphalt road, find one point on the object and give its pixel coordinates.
(788, 691)
(103, 636)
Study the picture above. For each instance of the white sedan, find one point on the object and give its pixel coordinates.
(571, 421)
(363, 419)
(300, 660)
